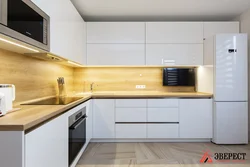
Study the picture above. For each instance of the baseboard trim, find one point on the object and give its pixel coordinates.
(150, 140)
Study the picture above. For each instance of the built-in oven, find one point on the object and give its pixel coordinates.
(24, 21)
(77, 133)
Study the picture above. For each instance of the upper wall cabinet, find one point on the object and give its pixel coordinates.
(210, 30)
(174, 32)
(115, 32)
(174, 54)
(116, 54)
(67, 29)
(213, 28)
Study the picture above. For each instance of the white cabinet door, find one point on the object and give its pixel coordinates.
(134, 131)
(196, 118)
(48, 144)
(89, 128)
(104, 118)
(163, 115)
(158, 103)
(131, 114)
(174, 32)
(157, 131)
(67, 29)
(210, 30)
(141, 103)
(116, 54)
(174, 54)
(116, 32)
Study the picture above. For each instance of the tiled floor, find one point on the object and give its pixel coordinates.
(158, 154)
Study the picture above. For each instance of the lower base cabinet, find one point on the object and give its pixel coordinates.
(47, 146)
(159, 131)
(132, 131)
(196, 118)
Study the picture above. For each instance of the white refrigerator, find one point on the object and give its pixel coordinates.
(230, 89)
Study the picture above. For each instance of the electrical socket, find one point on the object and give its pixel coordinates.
(140, 86)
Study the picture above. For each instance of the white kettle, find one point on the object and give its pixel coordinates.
(9, 92)
(2, 105)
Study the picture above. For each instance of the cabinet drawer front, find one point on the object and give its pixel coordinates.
(163, 103)
(163, 130)
(131, 103)
(131, 114)
(131, 131)
(163, 115)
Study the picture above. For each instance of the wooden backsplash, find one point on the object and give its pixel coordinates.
(32, 77)
(122, 79)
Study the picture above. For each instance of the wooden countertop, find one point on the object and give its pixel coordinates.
(32, 115)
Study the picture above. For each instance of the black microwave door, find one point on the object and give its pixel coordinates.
(25, 20)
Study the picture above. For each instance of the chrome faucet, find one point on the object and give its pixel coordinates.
(91, 86)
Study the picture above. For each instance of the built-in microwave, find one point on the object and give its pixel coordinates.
(24, 21)
(178, 76)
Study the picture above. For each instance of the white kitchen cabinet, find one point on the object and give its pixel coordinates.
(158, 131)
(158, 103)
(89, 124)
(48, 144)
(210, 30)
(67, 29)
(131, 114)
(163, 115)
(132, 131)
(174, 54)
(115, 54)
(174, 32)
(116, 32)
(141, 103)
(196, 118)
(103, 118)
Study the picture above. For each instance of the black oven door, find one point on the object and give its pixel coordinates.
(77, 138)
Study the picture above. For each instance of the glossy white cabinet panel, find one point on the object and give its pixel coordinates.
(174, 32)
(116, 54)
(210, 30)
(134, 131)
(213, 28)
(157, 131)
(174, 54)
(230, 123)
(231, 68)
(48, 144)
(104, 118)
(131, 114)
(196, 118)
(131, 103)
(163, 115)
(158, 103)
(67, 29)
(89, 124)
(115, 32)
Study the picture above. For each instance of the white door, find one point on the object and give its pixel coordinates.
(104, 118)
(48, 144)
(231, 65)
(195, 118)
(230, 123)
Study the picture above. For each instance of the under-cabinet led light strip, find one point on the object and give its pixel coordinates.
(16, 44)
(74, 63)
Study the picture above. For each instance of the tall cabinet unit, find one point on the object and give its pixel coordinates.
(210, 30)
(67, 29)
(174, 43)
(115, 43)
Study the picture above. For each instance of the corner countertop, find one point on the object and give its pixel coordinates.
(30, 116)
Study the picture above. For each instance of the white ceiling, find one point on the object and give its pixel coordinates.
(160, 10)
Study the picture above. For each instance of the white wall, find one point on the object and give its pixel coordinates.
(245, 28)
